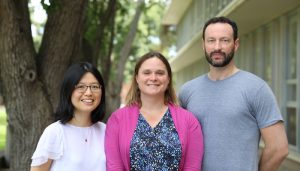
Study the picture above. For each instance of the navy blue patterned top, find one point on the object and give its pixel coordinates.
(157, 148)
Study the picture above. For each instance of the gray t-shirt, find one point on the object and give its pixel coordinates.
(232, 112)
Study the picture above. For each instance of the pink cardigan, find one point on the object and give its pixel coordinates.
(121, 126)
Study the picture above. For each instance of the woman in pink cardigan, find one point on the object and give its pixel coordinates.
(152, 132)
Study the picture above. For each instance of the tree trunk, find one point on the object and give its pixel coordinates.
(115, 85)
(98, 51)
(105, 21)
(30, 87)
(26, 104)
(61, 42)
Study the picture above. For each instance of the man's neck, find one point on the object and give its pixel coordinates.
(221, 73)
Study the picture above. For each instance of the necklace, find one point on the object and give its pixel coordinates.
(86, 133)
(84, 128)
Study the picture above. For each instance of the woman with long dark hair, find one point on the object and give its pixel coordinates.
(75, 141)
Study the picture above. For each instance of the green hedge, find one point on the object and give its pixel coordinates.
(3, 123)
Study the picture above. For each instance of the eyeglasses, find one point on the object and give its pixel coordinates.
(81, 88)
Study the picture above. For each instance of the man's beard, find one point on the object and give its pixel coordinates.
(226, 61)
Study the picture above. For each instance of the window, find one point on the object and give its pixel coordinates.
(292, 83)
(291, 125)
(267, 76)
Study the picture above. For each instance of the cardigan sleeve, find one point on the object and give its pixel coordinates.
(112, 148)
(194, 146)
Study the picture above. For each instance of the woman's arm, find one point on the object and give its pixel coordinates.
(112, 146)
(43, 167)
(194, 147)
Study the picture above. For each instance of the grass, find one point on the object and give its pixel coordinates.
(3, 123)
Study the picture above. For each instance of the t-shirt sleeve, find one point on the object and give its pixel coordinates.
(182, 97)
(265, 107)
(50, 145)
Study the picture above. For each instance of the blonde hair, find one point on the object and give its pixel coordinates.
(134, 96)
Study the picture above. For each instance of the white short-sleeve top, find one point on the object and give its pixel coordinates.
(71, 147)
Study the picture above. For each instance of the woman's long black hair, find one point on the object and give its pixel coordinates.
(65, 108)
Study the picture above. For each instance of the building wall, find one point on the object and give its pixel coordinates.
(195, 17)
(271, 51)
(190, 72)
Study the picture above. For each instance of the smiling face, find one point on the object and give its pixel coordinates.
(219, 44)
(85, 102)
(152, 78)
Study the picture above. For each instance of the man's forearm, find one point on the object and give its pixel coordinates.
(271, 159)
